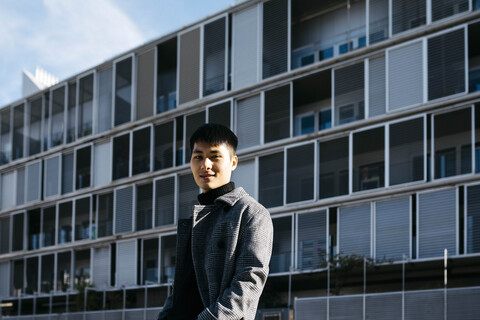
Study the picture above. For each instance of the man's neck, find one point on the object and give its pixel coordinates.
(209, 197)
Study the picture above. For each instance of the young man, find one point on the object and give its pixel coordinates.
(224, 248)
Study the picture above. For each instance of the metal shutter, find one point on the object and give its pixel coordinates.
(220, 113)
(271, 180)
(187, 198)
(425, 305)
(244, 176)
(67, 173)
(392, 229)
(123, 210)
(126, 263)
(189, 66)
(405, 76)
(312, 240)
(214, 56)
(310, 308)
(248, 122)
(104, 106)
(101, 267)
(384, 306)
(407, 14)
(349, 93)
(277, 114)
(378, 23)
(446, 64)
(446, 8)
(34, 180)
(473, 219)
(436, 223)
(193, 122)
(52, 176)
(8, 198)
(164, 201)
(354, 230)
(5, 279)
(245, 58)
(144, 208)
(462, 303)
(349, 307)
(376, 86)
(275, 37)
(145, 81)
(5, 235)
(102, 164)
(300, 175)
(20, 186)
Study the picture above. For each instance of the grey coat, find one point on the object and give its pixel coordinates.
(231, 250)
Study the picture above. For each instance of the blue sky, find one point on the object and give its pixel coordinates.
(66, 37)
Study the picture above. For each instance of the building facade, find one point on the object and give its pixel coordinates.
(359, 130)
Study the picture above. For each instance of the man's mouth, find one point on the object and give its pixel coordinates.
(207, 175)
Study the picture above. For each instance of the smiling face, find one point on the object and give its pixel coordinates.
(212, 165)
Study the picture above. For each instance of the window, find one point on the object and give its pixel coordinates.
(453, 143)
(164, 201)
(145, 80)
(248, 122)
(214, 48)
(167, 75)
(369, 159)
(275, 37)
(82, 268)
(48, 226)
(71, 112)
(34, 178)
(189, 66)
(406, 151)
(126, 263)
(121, 157)
(333, 167)
(473, 56)
(105, 214)
(85, 105)
(83, 167)
(5, 137)
(123, 91)
(101, 264)
(64, 271)
(408, 14)
(188, 192)
(277, 114)
(20, 198)
(58, 117)
(150, 261)
(312, 240)
(377, 91)
(271, 180)
(446, 64)
(31, 275)
(443, 9)
(472, 215)
(244, 176)
(141, 152)
(17, 236)
(35, 126)
(65, 222)
(436, 224)
(168, 257)
(164, 145)
(83, 227)
(179, 148)
(123, 210)
(104, 102)
(48, 270)
(5, 235)
(18, 276)
(52, 176)
(220, 113)
(193, 122)
(67, 173)
(7, 192)
(18, 131)
(102, 164)
(46, 121)
(282, 245)
(354, 230)
(33, 226)
(349, 94)
(144, 209)
(5, 276)
(378, 14)
(300, 173)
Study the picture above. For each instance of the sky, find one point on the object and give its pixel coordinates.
(66, 37)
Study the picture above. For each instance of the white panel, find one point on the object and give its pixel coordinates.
(244, 176)
(4, 279)
(126, 263)
(102, 164)
(33, 178)
(424, 305)
(248, 122)
(376, 85)
(462, 303)
(245, 46)
(52, 175)
(101, 267)
(354, 230)
(8, 198)
(123, 210)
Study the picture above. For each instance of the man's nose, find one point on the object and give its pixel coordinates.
(206, 164)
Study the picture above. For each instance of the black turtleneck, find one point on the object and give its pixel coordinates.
(209, 197)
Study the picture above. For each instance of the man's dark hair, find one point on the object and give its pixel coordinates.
(214, 133)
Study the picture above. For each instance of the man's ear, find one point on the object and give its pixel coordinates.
(234, 162)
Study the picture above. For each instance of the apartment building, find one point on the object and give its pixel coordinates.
(359, 129)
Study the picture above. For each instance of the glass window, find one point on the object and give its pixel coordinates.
(18, 277)
(104, 104)
(378, 20)
(193, 122)
(150, 261)
(188, 194)
(18, 131)
(473, 219)
(48, 270)
(105, 214)
(377, 86)
(64, 271)
(33, 224)
(65, 210)
(35, 126)
(369, 159)
(48, 226)
(58, 116)
(145, 80)
(52, 176)
(7, 193)
(168, 257)
(220, 113)
(349, 93)
(189, 66)
(214, 46)
(67, 173)
(20, 198)
(473, 56)
(123, 210)
(277, 114)
(46, 122)
(141, 150)
(164, 145)
(83, 167)
(275, 37)
(408, 14)
(453, 143)
(5, 137)
(164, 201)
(144, 208)
(17, 236)
(271, 180)
(123, 91)
(167, 75)
(71, 112)
(244, 176)
(406, 151)
(32, 275)
(5, 234)
(82, 268)
(312, 240)
(82, 219)
(248, 123)
(282, 245)
(443, 9)
(300, 173)
(34, 171)
(354, 228)
(121, 157)
(179, 148)
(102, 170)
(85, 106)
(333, 167)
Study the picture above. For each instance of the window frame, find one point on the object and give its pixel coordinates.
(292, 243)
(92, 159)
(151, 148)
(40, 181)
(45, 178)
(133, 208)
(133, 107)
(176, 195)
(65, 111)
(94, 103)
(217, 103)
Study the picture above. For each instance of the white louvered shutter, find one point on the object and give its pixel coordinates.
(123, 210)
(8, 199)
(102, 164)
(473, 219)
(376, 83)
(101, 267)
(312, 240)
(248, 122)
(164, 201)
(52, 176)
(5, 279)
(126, 263)
(244, 176)
(354, 230)
(33, 178)
(20, 186)
(189, 66)
(187, 196)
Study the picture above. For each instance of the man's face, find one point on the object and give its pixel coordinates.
(212, 165)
